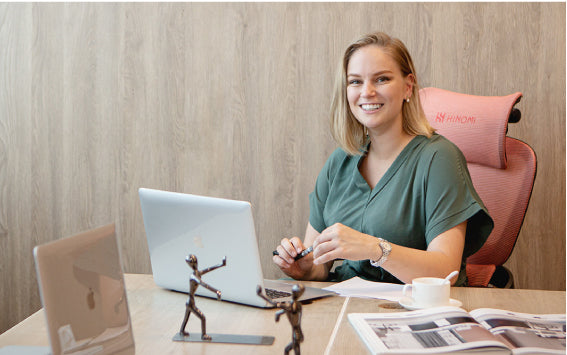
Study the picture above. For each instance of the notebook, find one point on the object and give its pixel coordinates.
(178, 225)
(83, 294)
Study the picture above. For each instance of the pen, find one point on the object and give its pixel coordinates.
(300, 255)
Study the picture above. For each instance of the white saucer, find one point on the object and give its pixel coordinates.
(408, 303)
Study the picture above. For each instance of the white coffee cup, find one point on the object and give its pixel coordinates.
(429, 291)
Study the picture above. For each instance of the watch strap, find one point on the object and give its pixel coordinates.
(386, 248)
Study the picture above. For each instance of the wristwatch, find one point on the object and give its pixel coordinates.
(386, 249)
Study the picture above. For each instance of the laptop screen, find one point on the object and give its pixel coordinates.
(178, 225)
(83, 293)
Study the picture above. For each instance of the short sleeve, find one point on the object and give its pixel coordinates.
(451, 199)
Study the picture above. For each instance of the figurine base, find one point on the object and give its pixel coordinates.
(226, 338)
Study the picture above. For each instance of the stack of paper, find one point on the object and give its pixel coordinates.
(357, 287)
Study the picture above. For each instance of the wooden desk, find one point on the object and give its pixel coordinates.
(526, 301)
(157, 315)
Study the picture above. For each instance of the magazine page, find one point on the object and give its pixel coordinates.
(428, 331)
(525, 333)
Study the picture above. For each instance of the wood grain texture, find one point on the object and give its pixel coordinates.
(231, 100)
(324, 322)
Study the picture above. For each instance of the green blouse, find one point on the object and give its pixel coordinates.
(425, 192)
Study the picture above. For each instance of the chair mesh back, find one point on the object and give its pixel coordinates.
(502, 168)
(506, 193)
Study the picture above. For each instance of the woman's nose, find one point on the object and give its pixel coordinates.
(368, 89)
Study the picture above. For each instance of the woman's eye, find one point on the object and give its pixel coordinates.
(354, 82)
(382, 79)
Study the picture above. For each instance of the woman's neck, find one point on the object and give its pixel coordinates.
(387, 147)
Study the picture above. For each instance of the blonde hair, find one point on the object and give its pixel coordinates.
(345, 128)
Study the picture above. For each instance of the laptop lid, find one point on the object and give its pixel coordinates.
(82, 290)
(178, 225)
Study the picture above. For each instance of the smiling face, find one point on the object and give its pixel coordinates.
(376, 89)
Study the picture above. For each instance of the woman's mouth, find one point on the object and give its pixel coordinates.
(370, 107)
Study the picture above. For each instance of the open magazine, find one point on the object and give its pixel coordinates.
(454, 330)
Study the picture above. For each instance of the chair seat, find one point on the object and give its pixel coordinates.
(489, 276)
(479, 275)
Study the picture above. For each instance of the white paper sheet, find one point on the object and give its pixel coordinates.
(357, 287)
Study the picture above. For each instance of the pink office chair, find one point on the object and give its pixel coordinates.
(502, 169)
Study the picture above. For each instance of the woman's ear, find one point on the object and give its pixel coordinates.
(410, 81)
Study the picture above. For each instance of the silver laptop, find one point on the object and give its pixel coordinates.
(82, 291)
(178, 225)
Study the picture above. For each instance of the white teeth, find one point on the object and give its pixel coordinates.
(370, 107)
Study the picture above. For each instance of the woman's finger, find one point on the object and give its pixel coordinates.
(297, 244)
(288, 247)
(284, 254)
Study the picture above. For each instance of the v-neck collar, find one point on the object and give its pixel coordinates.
(389, 174)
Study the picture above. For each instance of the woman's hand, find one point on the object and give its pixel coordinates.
(288, 250)
(341, 242)
(443, 254)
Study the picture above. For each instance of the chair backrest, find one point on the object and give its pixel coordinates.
(502, 168)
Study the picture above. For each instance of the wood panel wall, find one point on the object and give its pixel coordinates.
(231, 100)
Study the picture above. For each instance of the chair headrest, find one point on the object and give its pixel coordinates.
(476, 124)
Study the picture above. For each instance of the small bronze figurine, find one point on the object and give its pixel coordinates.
(194, 282)
(293, 311)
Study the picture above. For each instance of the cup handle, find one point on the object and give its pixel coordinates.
(405, 290)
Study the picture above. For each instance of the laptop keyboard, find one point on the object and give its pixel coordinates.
(271, 293)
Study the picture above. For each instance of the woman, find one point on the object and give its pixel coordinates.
(395, 201)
